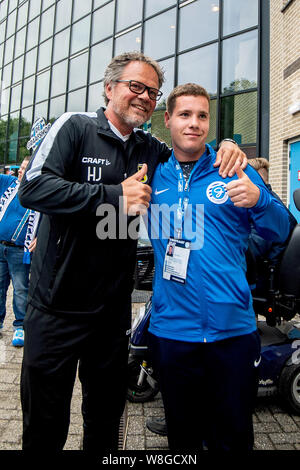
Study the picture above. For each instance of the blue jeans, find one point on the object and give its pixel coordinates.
(12, 268)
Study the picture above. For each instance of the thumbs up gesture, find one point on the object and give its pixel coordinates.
(242, 192)
(136, 195)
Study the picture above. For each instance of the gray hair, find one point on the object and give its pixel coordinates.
(115, 69)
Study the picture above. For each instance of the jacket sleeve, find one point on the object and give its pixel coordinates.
(269, 216)
(47, 185)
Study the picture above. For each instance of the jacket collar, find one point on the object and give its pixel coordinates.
(104, 129)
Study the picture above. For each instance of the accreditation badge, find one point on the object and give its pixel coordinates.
(145, 179)
(176, 260)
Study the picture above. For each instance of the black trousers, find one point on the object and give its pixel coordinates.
(208, 391)
(53, 349)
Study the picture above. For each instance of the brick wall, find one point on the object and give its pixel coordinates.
(284, 88)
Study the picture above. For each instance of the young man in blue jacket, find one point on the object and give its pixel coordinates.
(203, 333)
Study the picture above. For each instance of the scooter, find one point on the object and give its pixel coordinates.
(279, 369)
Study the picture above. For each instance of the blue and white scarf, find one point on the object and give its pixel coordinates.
(31, 216)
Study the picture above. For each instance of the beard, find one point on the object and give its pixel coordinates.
(130, 117)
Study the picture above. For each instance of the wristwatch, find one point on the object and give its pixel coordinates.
(228, 140)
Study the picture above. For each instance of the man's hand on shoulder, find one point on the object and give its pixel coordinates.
(229, 158)
(242, 192)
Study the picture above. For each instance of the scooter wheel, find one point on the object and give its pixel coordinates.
(289, 387)
(138, 393)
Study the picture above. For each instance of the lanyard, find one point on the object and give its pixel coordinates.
(183, 199)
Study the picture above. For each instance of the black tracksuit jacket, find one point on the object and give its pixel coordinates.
(79, 166)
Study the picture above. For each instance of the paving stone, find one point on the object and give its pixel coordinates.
(135, 443)
(136, 425)
(262, 442)
(286, 422)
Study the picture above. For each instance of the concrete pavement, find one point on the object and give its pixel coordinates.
(275, 429)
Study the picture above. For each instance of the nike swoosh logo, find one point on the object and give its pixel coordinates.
(256, 363)
(162, 191)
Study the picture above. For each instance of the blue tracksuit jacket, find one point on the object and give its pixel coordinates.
(215, 302)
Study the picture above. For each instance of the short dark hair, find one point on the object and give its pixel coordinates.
(188, 89)
(115, 69)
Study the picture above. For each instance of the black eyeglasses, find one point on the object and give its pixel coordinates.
(139, 88)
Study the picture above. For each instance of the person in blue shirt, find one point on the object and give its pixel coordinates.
(203, 334)
(16, 243)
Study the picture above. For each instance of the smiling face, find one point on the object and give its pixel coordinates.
(189, 126)
(126, 109)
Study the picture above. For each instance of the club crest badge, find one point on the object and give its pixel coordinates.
(145, 179)
(38, 131)
(217, 193)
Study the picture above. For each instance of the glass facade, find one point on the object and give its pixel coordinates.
(53, 54)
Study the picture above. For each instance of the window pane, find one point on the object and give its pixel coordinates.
(11, 23)
(238, 117)
(12, 151)
(57, 107)
(30, 62)
(204, 70)
(26, 122)
(47, 21)
(76, 100)
(103, 21)
(32, 34)
(198, 23)
(47, 3)
(22, 15)
(80, 35)
(6, 79)
(239, 15)
(240, 62)
(45, 50)
(61, 45)
(96, 99)
(100, 57)
(9, 49)
(18, 69)
(12, 4)
(212, 135)
(15, 98)
(13, 125)
(63, 14)
(2, 31)
(168, 68)
(129, 12)
(158, 128)
(40, 111)
(78, 71)
(3, 9)
(35, 8)
(3, 129)
(99, 3)
(153, 6)
(81, 8)
(22, 152)
(59, 78)
(128, 42)
(20, 42)
(160, 35)
(4, 101)
(42, 86)
(28, 91)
